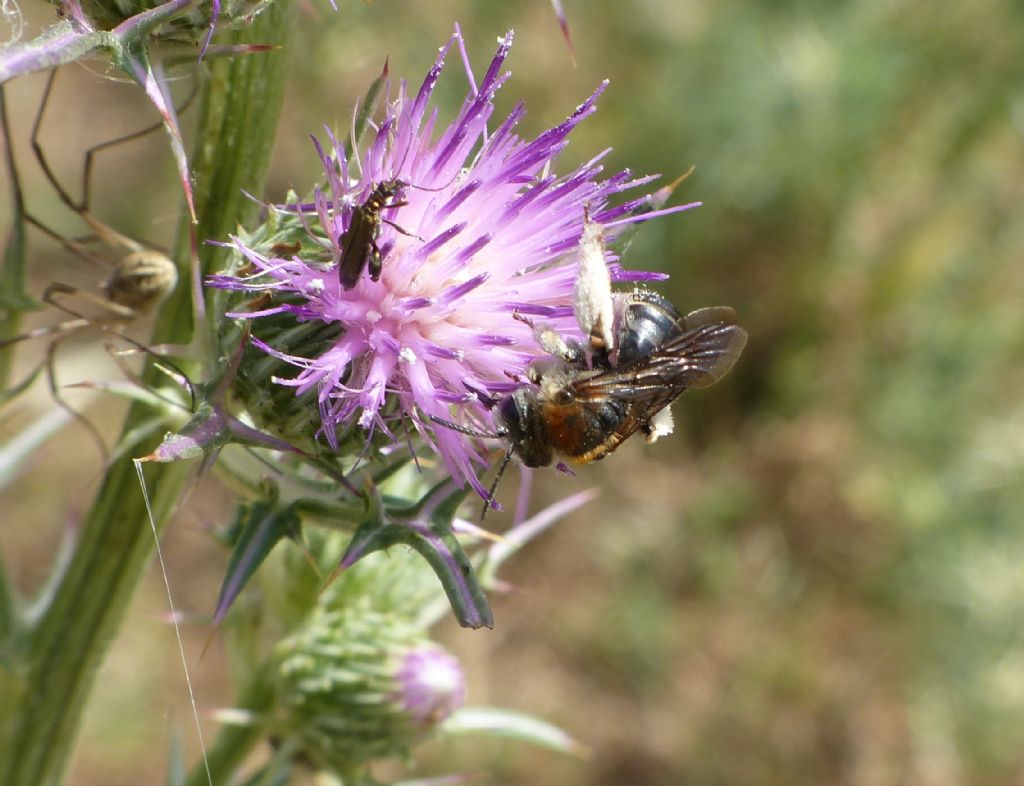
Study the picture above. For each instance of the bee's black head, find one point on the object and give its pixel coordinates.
(521, 419)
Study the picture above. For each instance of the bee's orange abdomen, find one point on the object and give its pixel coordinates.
(583, 432)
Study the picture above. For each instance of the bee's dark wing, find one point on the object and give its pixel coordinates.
(696, 358)
(707, 350)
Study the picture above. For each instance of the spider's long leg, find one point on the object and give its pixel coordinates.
(60, 401)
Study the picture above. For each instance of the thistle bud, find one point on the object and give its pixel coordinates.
(358, 684)
(275, 408)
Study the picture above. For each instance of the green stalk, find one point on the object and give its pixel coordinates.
(235, 742)
(52, 670)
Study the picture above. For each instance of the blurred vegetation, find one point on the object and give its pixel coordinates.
(818, 578)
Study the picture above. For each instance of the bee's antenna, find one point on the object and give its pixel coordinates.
(489, 401)
(469, 432)
(489, 502)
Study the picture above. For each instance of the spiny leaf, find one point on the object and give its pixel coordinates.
(427, 528)
(262, 525)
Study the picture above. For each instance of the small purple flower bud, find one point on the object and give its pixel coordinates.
(432, 685)
(358, 684)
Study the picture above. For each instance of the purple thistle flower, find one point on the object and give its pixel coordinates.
(484, 230)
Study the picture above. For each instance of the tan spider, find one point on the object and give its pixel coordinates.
(138, 277)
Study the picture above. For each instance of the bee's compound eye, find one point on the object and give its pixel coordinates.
(509, 416)
(563, 397)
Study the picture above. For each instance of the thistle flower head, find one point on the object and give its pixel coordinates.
(477, 229)
(359, 684)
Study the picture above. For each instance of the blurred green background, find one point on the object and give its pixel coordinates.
(818, 579)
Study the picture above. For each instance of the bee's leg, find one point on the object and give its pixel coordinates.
(554, 343)
(593, 302)
(518, 378)
(575, 354)
(490, 502)
(518, 316)
(565, 349)
(536, 369)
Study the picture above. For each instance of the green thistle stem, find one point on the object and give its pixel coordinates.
(8, 613)
(51, 667)
(234, 743)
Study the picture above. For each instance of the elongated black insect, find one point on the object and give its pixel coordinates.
(359, 248)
